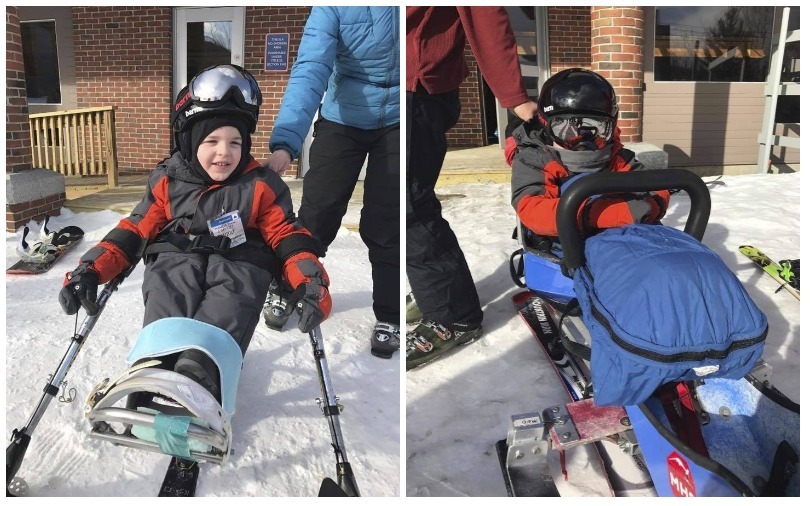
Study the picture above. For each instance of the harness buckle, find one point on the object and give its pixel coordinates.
(209, 244)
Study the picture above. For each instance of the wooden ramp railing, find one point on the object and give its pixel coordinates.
(80, 142)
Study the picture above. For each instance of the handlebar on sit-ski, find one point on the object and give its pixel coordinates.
(572, 241)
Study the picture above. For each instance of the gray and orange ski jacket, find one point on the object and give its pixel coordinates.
(538, 176)
(178, 206)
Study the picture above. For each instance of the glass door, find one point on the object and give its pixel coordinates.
(205, 37)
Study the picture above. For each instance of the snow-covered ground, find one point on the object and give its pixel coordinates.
(281, 438)
(459, 406)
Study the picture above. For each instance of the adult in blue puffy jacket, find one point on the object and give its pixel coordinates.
(350, 54)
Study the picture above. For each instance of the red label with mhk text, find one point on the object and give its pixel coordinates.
(680, 477)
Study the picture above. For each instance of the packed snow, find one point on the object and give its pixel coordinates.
(282, 441)
(459, 406)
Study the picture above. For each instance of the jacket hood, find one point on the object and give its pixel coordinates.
(529, 135)
(179, 168)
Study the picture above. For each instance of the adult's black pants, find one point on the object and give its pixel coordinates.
(437, 270)
(335, 160)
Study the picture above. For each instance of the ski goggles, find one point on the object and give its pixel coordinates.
(581, 132)
(215, 83)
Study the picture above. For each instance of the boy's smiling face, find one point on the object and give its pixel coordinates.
(220, 152)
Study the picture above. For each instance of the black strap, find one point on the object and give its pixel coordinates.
(517, 271)
(254, 251)
(295, 243)
(210, 244)
(574, 348)
(784, 466)
(67, 235)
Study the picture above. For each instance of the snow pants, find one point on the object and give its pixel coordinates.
(209, 288)
(335, 160)
(437, 270)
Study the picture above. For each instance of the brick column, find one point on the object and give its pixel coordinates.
(617, 54)
(18, 137)
(30, 194)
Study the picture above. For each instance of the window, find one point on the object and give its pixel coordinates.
(720, 44)
(209, 43)
(524, 26)
(787, 106)
(41, 62)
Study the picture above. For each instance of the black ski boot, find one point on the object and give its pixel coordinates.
(431, 340)
(201, 368)
(384, 339)
(275, 310)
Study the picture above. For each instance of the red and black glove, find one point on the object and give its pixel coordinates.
(310, 284)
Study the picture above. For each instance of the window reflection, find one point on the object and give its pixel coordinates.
(209, 43)
(723, 44)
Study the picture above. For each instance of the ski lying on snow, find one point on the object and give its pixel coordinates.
(181, 478)
(773, 269)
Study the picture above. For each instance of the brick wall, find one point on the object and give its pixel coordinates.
(18, 215)
(124, 58)
(18, 137)
(617, 55)
(259, 21)
(569, 35)
(469, 130)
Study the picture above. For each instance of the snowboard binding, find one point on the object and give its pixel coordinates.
(38, 255)
(152, 408)
(49, 245)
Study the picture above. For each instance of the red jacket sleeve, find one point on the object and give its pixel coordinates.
(279, 228)
(536, 180)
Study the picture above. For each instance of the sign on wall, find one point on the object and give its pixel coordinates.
(277, 52)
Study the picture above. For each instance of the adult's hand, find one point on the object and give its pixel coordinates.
(278, 161)
(526, 110)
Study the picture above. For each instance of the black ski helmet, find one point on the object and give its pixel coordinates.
(216, 91)
(577, 92)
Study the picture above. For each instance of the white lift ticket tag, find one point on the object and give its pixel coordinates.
(229, 225)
